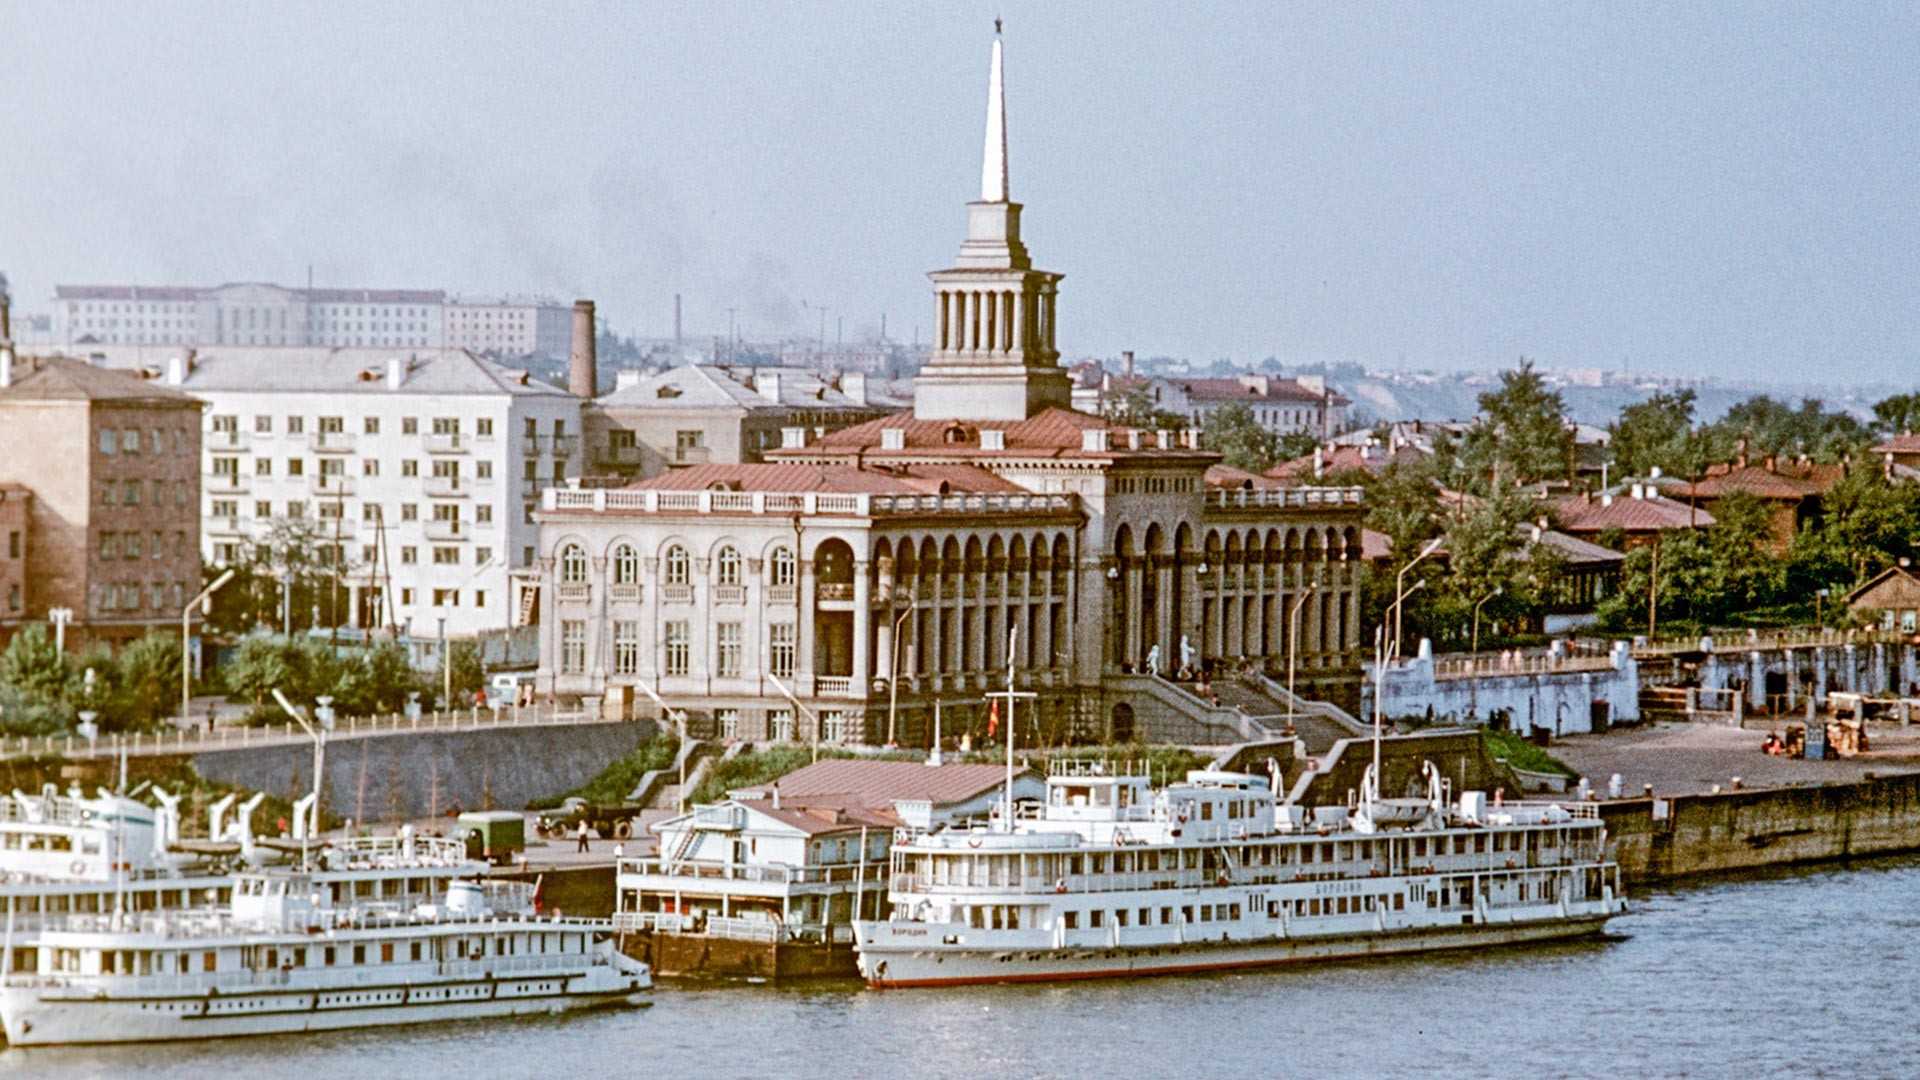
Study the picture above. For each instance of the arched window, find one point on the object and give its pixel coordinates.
(780, 567)
(678, 566)
(726, 566)
(573, 564)
(626, 565)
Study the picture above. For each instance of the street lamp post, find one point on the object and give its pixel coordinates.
(1293, 646)
(1497, 590)
(893, 678)
(1399, 580)
(1394, 651)
(324, 714)
(60, 617)
(1473, 661)
(203, 601)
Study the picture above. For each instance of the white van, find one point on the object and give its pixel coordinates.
(504, 689)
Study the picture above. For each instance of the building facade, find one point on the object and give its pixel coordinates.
(508, 326)
(112, 528)
(424, 467)
(991, 526)
(260, 313)
(701, 414)
(1306, 405)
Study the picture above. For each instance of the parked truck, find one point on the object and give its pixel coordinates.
(618, 821)
(494, 835)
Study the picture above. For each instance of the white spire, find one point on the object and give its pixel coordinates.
(993, 170)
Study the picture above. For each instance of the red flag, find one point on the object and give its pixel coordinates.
(539, 893)
(993, 719)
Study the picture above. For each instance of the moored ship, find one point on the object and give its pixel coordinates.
(1111, 877)
(285, 956)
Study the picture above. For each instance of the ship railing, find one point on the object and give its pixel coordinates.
(1096, 767)
(383, 852)
(773, 874)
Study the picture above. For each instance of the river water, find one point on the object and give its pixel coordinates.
(1802, 973)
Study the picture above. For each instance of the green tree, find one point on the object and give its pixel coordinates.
(290, 575)
(34, 667)
(1897, 415)
(1770, 428)
(1136, 408)
(1657, 432)
(1241, 440)
(1522, 436)
(145, 684)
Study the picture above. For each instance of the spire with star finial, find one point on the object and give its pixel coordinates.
(993, 168)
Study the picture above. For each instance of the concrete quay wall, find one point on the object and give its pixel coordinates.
(1663, 839)
(428, 773)
(1545, 694)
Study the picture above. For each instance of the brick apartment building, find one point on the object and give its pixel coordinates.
(111, 529)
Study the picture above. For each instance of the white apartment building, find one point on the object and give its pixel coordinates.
(430, 463)
(259, 313)
(509, 326)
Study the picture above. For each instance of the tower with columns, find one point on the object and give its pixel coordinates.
(994, 356)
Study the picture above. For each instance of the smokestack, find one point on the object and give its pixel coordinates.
(676, 321)
(6, 312)
(580, 370)
(1126, 363)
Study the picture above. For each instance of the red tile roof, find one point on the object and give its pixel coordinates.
(819, 819)
(1053, 432)
(1373, 459)
(845, 479)
(1649, 514)
(1904, 443)
(1791, 481)
(1226, 476)
(876, 784)
(61, 378)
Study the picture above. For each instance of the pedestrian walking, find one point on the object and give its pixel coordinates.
(582, 834)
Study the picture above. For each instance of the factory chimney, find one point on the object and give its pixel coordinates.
(580, 369)
(676, 322)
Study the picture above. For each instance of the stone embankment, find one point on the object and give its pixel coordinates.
(1664, 839)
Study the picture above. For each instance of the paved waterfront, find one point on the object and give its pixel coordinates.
(1680, 758)
(1803, 973)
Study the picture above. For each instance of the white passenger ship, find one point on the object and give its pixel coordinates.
(1113, 878)
(66, 853)
(286, 956)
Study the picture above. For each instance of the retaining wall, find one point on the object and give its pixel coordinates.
(428, 773)
(1662, 839)
(1562, 701)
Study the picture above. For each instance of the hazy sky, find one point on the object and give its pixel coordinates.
(1727, 189)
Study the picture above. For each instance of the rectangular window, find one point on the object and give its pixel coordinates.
(446, 425)
(129, 493)
(780, 725)
(446, 556)
(726, 662)
(107, 441)
(483, 514)
(483, 470)
(678, 638)
(371, 425)
(483, 427)
(626, 648)
(333, 425)
(296, 425)
(409, 556)
(409, 512)
(573, 646)
(409, 467)
(409, 425)
(370, 467)
(446, 598)
(262, 509)
(482, 556)
(296, 467)
(729, 721)
(263, 425)
(780, 658)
